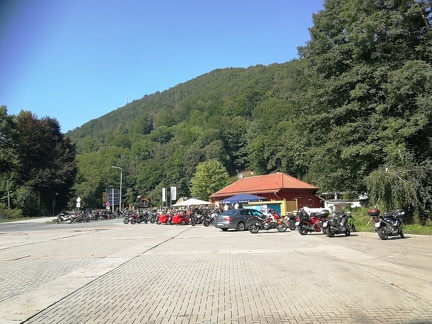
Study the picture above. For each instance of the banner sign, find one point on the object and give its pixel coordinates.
(164, 194)
(173, 193)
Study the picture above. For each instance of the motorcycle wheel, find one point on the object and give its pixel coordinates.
(183, 222)
(126, 220)
(292, 226)
(254, 229)
(282, 227)
(133, 221)
(193, 223)
(301, 230)
(382, 234)
(347, 232)
(168, 222)
(329, 232)
(402, 234)
(206, 223)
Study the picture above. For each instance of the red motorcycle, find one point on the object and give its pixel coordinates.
(311, 223)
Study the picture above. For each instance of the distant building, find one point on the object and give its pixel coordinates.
(275, 187)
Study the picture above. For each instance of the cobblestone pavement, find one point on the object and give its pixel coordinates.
(151, 273)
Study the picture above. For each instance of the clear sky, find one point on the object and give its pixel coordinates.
(76, 60)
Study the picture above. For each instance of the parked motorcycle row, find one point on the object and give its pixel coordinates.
(386, 225)
(82, 216)
(180, 217)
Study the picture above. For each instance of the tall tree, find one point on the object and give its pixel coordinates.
(210, 177)
(370, 72)
(7, 141)
(46, 158)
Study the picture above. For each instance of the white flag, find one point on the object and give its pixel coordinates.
(173, 193)
(164, 194)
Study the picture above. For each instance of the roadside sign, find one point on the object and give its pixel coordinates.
(78, 205)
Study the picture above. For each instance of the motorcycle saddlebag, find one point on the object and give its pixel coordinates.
(373, 212)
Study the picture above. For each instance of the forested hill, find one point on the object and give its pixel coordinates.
(160, 139)
(223, 87)
(354, 113)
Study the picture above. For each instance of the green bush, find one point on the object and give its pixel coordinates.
(10, 214)
(26, 200)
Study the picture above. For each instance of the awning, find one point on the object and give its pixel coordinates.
(242, 198)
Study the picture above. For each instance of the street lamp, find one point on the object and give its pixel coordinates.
(121, 180)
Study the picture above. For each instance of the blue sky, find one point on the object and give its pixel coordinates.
(76, 60)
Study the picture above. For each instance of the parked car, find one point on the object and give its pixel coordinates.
(235, 219)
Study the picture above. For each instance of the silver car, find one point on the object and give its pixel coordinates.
(235, 219)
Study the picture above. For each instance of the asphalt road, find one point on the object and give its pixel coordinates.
(109, 272)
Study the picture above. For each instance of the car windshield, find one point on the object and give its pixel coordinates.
(256, 213)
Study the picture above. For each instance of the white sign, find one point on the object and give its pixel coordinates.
(173, 193)
(78, 205)
(78, 200)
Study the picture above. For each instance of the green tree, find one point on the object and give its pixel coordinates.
(210, 177)
(46, 160)
(368, 68)
(8, 134)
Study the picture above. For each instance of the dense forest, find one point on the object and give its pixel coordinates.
(352, 115)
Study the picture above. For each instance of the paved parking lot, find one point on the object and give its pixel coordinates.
(147, 273)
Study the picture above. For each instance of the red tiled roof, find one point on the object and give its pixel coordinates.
(263, 184)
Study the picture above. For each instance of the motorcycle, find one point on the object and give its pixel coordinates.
(306, 223)
(63, 218)
(267, 224)
(291, 221)
(208, 220)
(338, 224)
(389, 224)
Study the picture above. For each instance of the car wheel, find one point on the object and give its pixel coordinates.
(240, 226)
(224, 229)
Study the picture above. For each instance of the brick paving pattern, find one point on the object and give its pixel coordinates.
(183, 274)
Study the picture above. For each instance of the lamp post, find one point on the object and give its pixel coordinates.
(121, 180)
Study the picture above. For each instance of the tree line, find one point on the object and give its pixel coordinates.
(352, 115)
(38, 165)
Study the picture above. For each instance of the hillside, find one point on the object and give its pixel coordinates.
(356, 105)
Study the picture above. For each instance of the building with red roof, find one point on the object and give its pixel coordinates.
(276, 186)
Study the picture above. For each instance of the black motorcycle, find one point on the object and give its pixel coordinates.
(388, 224)
(338, 224)
(62, 218)
(209, 219)
(291, 221)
